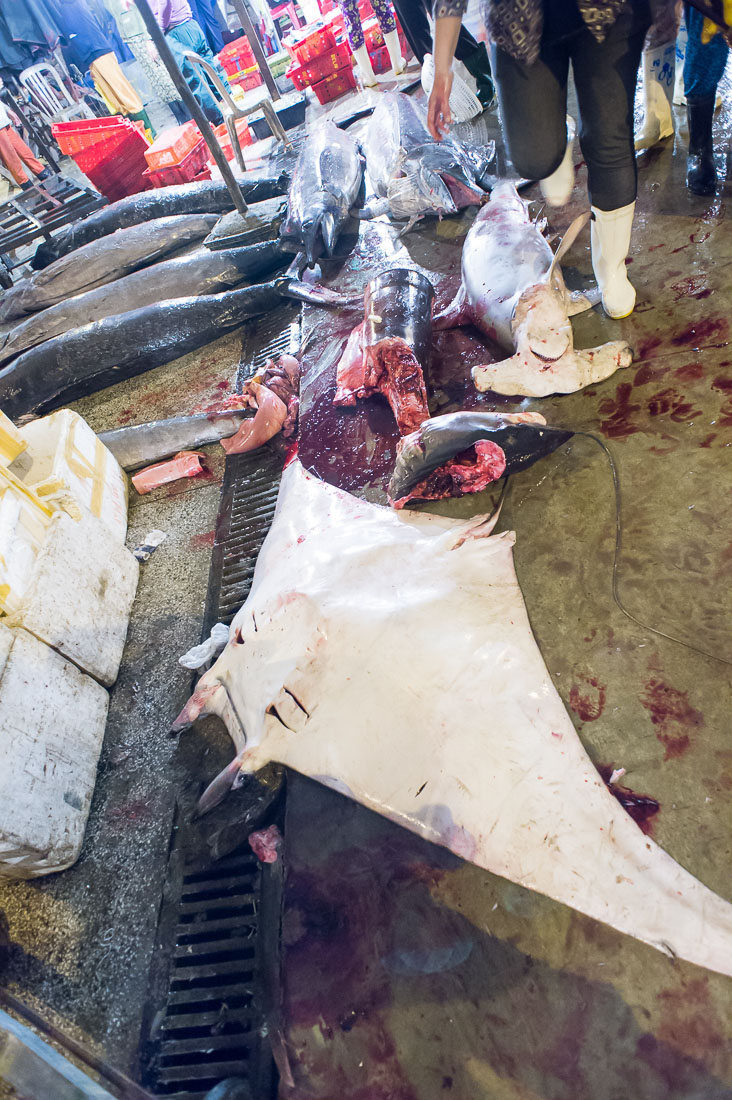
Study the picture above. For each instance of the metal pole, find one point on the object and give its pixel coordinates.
(10, 101)
(191, 103)
(257, 50)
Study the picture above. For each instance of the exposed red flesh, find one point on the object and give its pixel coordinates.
(265, 843)
(184, 464)
(389, 368)
(468, 472)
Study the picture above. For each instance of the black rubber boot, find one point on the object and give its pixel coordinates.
(701, 175)
(479, 67)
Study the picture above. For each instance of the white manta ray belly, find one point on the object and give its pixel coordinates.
(390, 655)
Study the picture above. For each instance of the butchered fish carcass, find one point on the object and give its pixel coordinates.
(390, 656)
(513, 290)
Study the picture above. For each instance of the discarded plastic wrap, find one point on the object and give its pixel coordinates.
(389, 655)
(203, 654)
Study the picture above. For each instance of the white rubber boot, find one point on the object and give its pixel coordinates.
(610, 239)
(659, 67)
(365, 68)
(557, 188)
(394, 46)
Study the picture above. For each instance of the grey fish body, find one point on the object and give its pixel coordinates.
(441, 438)
(199, 272)
(140, 444)
(186, 198)
(325, 183)
(122, 346)
(103, 261)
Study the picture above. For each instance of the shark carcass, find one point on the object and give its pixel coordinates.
(389, 655)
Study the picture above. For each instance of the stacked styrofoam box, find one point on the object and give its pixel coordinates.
(61, 635)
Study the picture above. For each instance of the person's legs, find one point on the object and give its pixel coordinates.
(533, 106)
(703, 69)
(26, 153)
(605, 75)
(197, 40)
(354, 33)
(179, 43)
(384, 13)
(10, 158)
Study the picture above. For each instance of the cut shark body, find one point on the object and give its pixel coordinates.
(389, 656)
(325, 183)
(513, 290)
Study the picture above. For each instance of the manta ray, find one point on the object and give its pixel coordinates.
(389, 655)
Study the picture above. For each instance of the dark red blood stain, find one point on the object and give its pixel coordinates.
(672, 716)
(648, 373)
(690, 373)
(691, 288)
(670, 402)
(223, 386)
(301, 539)
(653, 247)
(689, 1020)
(628, 261)
(724, 385)
(679, 249)
(591, 636)
(134, 812)
(617, 412)
(725, 414)
(707, 442)
(646, 348)
(589, 704)
(641, 807)
(204, 541)
(447, 1082)
(701, 333)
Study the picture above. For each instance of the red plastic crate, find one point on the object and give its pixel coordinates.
(252, 78)
(306, 47)
(183, 172)
(245, 137)
(81, 133)
(380, 60)
(238, 51)
(172, 146)
(335, 85)
(303, 76)
(372, 35)
(128, 145)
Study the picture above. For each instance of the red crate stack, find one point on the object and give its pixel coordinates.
(321, 61)
(237, 56)
(109, 151)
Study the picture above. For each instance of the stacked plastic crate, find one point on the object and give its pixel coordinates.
(240, 65)
(109, 151)
(321, 62)
(178, 155)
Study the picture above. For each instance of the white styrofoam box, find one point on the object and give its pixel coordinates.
(67, 464)
(52, 720)
(80, 595)
(11, 441)
(24, 522)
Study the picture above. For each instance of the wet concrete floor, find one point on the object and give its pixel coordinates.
(408, 975)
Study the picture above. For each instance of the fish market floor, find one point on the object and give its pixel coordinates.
(407, 975)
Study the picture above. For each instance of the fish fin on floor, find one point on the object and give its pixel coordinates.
(579, 301)
(525, 375)
(454, 315)
(597, 364)
(567, 241)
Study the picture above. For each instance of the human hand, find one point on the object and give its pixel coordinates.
(439, 118)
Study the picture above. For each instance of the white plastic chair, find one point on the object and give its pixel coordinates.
(231, 112)
(50, 94)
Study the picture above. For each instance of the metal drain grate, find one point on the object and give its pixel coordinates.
(206, 1005)
(277, 333)
(209, 1029)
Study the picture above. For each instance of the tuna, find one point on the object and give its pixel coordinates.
(389, 655)
(512, 289)
(103, 261)
(325, 184)
(206, 197)
(198, 272)
(139, 444)
(412, 172)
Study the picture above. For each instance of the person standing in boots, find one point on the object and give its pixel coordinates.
(14, 152)
(704, 65)
(534, 43)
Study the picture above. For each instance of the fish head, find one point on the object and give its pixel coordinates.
(523, 437)
(541, 324)
(420, 190)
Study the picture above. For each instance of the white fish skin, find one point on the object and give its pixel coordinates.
(390, 656)
(513, 290)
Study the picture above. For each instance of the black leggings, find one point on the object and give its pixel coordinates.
(412, 15)
(533, 101)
